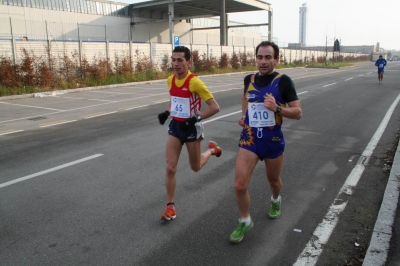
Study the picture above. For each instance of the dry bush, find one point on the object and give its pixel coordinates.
(224, 61)
(282, 59)
(143, 62)
(27, 68)
(45, 75)
(69, 68)
(8, 73)
(298, 62)
(235, 61)
(321, 59)
(100, 68)
(196, 61)
(244, 60)
(123, 64)
(166, 65)
(202, 63)
(210, 63)
(84, 69)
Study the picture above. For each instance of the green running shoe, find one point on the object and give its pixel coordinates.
(238, 234)
(275, 209)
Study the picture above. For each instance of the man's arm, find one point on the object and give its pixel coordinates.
(211, 110)
(244, 109)
(292, 110)
(244, 105)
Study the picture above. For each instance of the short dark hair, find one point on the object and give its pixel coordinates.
(268, 43)
(380, 56)
(182, 49)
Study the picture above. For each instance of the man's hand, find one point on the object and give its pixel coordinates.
(241, 121)
(270, 103)
(163, 117)
(185, 125)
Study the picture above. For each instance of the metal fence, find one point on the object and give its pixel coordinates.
(20, 29)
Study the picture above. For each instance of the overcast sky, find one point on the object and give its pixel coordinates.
(354, 22)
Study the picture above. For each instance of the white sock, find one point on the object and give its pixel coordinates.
(245, 220)
(212, 150)
(275, 200)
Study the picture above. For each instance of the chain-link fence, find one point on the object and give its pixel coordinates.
(55, 31)
(28, 30)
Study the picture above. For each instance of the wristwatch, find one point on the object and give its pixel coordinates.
(198, 118)
(279, 109)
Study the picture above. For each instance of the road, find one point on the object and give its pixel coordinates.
(82, 176)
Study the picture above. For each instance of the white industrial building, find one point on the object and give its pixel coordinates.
(96, 28)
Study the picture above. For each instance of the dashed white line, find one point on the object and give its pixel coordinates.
(34, 106)
(133, 107)
(10, 132)
(100, 115)
(329, 85)
(49, 170)
(58, 123)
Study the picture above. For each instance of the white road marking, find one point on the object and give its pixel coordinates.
(161, 101)
(57, 123)
(348, 79)
(321, 234)
(9, 132)
(49, 170)
(132, 107)
(96, 115)
(222, 116)
(31, 106)
(329, 85)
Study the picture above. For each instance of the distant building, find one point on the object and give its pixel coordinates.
(303, 10)
(375, 56)
(295, 45)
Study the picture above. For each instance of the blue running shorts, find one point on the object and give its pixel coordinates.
(263, 142)
(192, 134)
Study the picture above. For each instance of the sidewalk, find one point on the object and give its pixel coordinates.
(387, 222)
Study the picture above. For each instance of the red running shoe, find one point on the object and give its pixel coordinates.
(169, 214)
(217, 150)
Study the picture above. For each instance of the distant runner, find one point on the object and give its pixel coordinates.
(380, 63)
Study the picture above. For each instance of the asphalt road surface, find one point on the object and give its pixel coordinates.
(82, 176)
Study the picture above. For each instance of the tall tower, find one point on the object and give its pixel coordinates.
(303, 10)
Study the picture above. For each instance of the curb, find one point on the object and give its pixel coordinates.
(380, 241)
